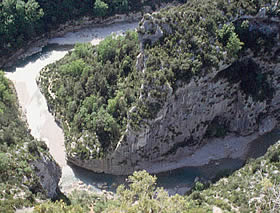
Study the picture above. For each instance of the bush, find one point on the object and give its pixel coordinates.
(107, 48)
(100, 8)
(230, 40)
(58, 207)
(4, 164)
(75, 68)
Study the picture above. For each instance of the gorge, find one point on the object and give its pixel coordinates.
(177, 102)
(182, 114)
(34, 106)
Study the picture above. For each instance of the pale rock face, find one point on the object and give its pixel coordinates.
(217, 210)
(180, 128)
(267, 125)
(185, 130)
(151, 30)
(49, 174)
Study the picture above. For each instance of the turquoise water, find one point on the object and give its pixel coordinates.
(172, 180)
(184, 177)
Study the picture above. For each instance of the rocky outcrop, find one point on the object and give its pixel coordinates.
(152, 29)
(184, 132)
(49, 174)
(214, 116)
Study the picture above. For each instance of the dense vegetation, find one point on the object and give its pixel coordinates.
(254, 188)
(22, 20)
(92, 90)
(19, 184)
(94, 87)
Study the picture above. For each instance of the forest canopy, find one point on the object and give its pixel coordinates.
(96, 87)
(22, 20)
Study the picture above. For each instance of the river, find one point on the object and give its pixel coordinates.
(34, 105)
(43, 126)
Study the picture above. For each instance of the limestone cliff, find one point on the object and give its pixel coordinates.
(212, 116)
(49, 174)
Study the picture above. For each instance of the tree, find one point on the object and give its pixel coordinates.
(105, 127)
(18, 20)
(143, 196)
(234, 45)
(100, 8)
(4, 166)
(230, 39)
(75, 68)
(33, 12)
(120, 5)
(107, 49)
(5, 95)
(58, 207)
(83, 50)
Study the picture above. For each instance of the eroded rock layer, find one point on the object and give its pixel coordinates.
(220, 96)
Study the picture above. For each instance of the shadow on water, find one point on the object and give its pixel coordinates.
(45, 53)
(260, 145)
(99, 181)
(183, 177)
(167, 180)
(171, 180)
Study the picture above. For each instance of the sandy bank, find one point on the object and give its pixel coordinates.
(40, 121)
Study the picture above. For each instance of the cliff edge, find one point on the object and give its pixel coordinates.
(209, 87)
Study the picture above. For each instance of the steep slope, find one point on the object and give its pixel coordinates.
(254, 188)
(27, 171)
(26, 25)
(204, 86)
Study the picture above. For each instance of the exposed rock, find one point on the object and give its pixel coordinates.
(32, 51)
(49, 174)
(262, 12)
(213, 116)
(25, 210)
(267, 125)
(181, 190)
(151, 30)
(217, 210)
(178, 134)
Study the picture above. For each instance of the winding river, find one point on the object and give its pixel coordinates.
(44, 127)
(34, 105)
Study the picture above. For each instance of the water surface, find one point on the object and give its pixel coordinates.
(44, 127)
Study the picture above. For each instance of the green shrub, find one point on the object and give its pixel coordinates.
(100, 8)
(57, 207)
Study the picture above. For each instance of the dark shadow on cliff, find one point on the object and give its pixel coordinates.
(252, 81)
(61, 196)
(183, 177)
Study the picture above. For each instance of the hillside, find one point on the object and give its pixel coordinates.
(27, 171)
(199, 74)
(29, 22)
(196, 83)
(254, 188)
(202, 74)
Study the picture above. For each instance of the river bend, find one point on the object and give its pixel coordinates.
(43, 126)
